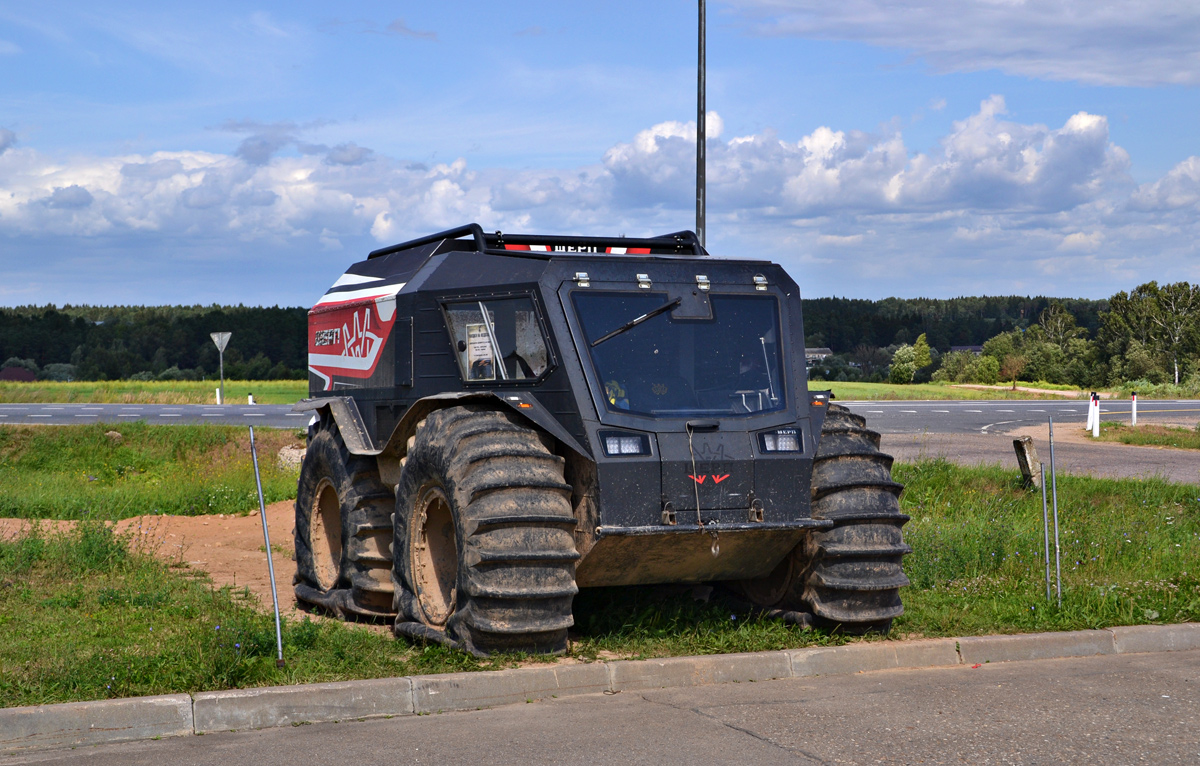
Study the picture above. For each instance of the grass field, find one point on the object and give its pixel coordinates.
(85, 616)
(78, 472)
(152, 392)
(884, 391)
(1152, 436)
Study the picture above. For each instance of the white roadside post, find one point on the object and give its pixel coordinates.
(221, 339)
(1091, 400)
(1133, 411)
(1096, 420)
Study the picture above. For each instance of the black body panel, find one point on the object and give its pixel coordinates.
(717, 460)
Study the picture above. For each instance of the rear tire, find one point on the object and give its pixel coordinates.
(343, 529)
(484, 535)
(849, 576)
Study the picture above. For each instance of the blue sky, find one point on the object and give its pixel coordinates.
(235, 152)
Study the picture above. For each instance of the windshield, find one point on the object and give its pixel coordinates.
(661, 366)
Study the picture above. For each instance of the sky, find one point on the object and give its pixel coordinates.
(248, 152)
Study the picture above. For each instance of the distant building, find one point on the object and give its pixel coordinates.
(976, 350)
(814, 355)
(19, 374)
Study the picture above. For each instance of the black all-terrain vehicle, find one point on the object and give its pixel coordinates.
(502, 419)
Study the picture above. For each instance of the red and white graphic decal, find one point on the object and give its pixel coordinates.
(347, 340)
(716, 479)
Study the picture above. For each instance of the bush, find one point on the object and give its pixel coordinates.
(984, 369)
(60, 372)
(904, 365)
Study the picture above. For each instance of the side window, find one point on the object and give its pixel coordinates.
(497, 339)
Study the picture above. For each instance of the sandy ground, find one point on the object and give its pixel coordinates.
(1027, 389)
(229, 548)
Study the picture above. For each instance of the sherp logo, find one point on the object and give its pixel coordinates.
(360, 330)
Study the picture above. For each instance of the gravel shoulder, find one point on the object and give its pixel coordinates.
(1074, 453)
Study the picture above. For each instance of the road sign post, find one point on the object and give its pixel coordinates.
(221, 339)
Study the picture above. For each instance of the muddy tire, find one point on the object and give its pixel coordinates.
(849, 576)
(484, 543)
(343, 529)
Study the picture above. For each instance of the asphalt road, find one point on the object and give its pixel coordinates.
(900, 417)
(965, 417)
(1117, 709)
(271, 415)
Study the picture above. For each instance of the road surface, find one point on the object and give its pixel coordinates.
(890, 417)
(1116, 709)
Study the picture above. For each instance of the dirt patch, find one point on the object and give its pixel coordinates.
(1028, 390)
(229, 548)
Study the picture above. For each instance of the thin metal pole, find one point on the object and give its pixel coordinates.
(700, 130)
(262, 511)
(1046, 531)
(1054, 493)
(221, 355)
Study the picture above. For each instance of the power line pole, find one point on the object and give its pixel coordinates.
(700, 120)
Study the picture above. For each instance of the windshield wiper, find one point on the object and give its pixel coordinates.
(635, 322)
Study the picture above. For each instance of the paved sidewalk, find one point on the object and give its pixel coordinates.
(1114, 709)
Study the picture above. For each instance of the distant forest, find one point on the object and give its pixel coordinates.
(844, 324)
(154, 342)
(172, 342)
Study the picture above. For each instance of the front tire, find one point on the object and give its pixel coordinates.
(848, 576)
(484, 546)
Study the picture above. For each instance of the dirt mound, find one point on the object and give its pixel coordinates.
(229, 548)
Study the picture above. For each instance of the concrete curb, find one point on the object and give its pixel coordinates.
(92, 723)
(138, 718)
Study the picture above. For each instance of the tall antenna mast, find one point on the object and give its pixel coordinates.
(700, 120)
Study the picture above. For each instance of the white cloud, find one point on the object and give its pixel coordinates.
(1102, 42)
(996, 202)
(1081, 241)
(9, 49)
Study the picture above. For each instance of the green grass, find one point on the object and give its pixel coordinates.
(78, 472)
(882, 391)
(84, 616)
(1130, 552)
(153, 392)
(1148, 435)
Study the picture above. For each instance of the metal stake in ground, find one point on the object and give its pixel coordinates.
(262, 512)
(1054, 494)
(1046, 532)
(222, 340)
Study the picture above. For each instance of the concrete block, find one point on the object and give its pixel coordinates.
(882, 655)
(1035, 646)
(468, 691)
(313, 703)
(94, 723)
(699, 671)
(1157, 638)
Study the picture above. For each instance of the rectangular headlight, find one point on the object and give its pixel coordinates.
(617, 444)
(782, 440)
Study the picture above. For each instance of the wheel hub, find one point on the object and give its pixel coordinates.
(433, 555)
(325, 524)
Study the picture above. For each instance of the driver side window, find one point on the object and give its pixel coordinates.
(497, 339)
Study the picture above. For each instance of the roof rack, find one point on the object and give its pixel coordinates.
(543, 246)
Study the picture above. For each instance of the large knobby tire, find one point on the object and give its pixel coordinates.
(343, 529)
(848, 576)
(484, 535)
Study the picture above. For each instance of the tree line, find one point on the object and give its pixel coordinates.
(154, 342)
(1144, 338)
(1151, 333)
